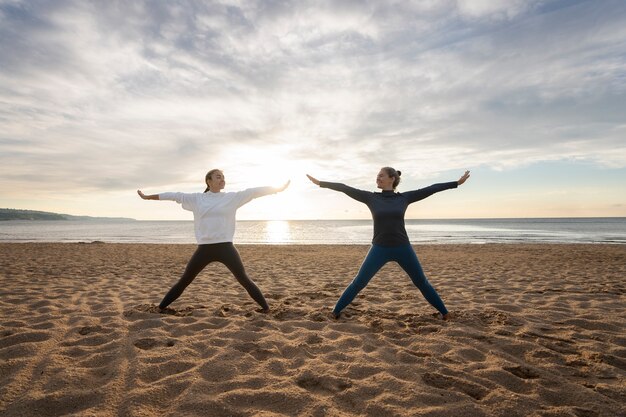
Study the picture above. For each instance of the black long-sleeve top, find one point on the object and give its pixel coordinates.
(388, 208)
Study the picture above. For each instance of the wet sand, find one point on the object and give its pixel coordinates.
(540, 330)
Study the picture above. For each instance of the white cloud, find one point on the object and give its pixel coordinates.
(504, 9)
(154, 93)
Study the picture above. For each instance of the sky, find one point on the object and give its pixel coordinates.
(99, 99)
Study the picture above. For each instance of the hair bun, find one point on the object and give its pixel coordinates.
(399, 172)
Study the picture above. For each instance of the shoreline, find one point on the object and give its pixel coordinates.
(531, 335)
(275, 244)
(345, 232)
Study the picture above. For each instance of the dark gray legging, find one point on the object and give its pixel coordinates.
(225, 253)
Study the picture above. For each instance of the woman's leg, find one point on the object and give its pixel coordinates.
(375, 259)
(229, 256)
(198, 261)
(407, 259)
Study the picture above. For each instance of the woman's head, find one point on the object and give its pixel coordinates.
(388, 178)
(215, 180)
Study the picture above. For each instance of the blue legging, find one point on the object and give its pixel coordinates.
(379, 256)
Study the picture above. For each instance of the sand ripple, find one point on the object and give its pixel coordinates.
(539, 331)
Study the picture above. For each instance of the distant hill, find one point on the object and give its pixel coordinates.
(14, 214)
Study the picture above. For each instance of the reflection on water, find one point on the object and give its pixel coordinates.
(277, 231)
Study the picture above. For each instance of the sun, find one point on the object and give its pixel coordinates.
(255, 167)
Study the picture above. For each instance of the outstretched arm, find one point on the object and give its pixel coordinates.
(422, 193)
(358, 195)
(148, 197)
(245, 196)
(256, 192)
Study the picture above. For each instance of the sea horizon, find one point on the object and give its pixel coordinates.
(355, 231)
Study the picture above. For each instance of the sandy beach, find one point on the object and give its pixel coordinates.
(540, 330)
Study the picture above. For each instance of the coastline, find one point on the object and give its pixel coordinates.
(531, 336)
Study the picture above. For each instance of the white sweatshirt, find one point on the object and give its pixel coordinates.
(214, 213)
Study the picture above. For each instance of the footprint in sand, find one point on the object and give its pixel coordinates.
(89, 329)
(154, 309)
(150, 343)
(318, 316)
(223, 311)
(446, 382)
(428, 329)
(257, 352)
(12, 339)
(322, 384)
(314, 339)
(522, 372)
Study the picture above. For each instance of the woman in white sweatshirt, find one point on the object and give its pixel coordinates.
(214, 222)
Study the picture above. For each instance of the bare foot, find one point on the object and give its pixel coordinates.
(165, 310)
(335, 316)
(448, 316)
(263, 310)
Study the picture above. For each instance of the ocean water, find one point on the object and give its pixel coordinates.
(474, 231)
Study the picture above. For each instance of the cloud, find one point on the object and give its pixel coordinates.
(494, 9)
(102, 96)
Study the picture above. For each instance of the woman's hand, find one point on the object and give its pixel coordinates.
(313, 180)
(464, 178)
(284, 187)
(148, 197)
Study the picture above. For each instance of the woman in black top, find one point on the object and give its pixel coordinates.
(390, 242)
